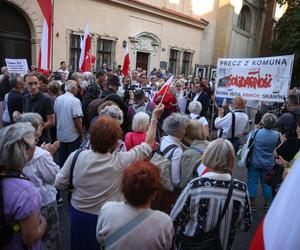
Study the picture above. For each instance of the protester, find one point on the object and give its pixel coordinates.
(43, 83)
(15, 97)
(97, 176)
(69, 121)
(140, 124)
(195, 109)
(262, 159)
(228, 129)
(140, 105)
(21, 199)
(192, 157)
(200, 205)
(41, 171)
(139, 184)
(287, 122)
(35, 101)
(199, 95)
(175, 127)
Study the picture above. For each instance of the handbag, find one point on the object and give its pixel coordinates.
(115, 236)
(210, 240)
(244, 152)
(165, 166)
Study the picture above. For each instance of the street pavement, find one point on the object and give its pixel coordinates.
(242, 239)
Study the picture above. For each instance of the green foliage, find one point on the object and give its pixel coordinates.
(287, 40)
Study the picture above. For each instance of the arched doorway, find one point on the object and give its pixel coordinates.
(15, 34)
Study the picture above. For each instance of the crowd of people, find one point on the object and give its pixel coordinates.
(145, 165)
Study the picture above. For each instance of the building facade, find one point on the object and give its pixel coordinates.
(168, 34)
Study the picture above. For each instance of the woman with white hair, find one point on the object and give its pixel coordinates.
(214, 203)
(140, 124)
(262, 159)
(41, 171)
(175, 127)
(20, 206)
(195, 109)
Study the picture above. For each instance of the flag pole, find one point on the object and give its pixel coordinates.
(52, 36)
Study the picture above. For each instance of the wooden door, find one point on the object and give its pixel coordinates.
(142, 60)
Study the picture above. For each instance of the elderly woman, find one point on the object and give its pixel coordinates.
(20, 199)
(155, 229)
(195, 109)
(175, 127)
(140, 124)
(97, 176)
(41, 171)
(262, 159)
(108, 108)
(200, 205)
(191, 158)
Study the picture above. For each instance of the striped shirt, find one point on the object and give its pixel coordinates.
(200, 204)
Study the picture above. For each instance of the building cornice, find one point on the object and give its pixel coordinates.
(163, 12)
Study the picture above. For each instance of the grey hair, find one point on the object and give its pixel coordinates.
(70, 85)
(14, 79)
(219, 156)
(174, 122)
(140, 122)
(86, 75)
(34, 119)
(75, 75)
(195, 107)
(269, 121)
(112, 111)
(15, 140)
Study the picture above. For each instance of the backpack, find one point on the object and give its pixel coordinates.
(142, 108)
(164, 165)
(8, 228)
(92, 93)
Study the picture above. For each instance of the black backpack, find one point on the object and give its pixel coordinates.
(8, 228)
(92, 93)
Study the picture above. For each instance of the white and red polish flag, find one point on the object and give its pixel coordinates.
(280, 229)
(84, 60)
(164, 89)
(45, 47)
(126, 62)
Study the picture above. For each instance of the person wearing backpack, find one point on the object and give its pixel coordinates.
(140, 105)
(170, 148)
(192, 157)
(94, 90)
(212, 207)
(287, 122)
(21, 224)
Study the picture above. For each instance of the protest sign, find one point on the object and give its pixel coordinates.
(261, 79)
(17, 65)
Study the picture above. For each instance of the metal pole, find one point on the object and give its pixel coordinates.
(52, 38)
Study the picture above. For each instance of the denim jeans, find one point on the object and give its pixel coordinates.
(255, 175)
(66, 148)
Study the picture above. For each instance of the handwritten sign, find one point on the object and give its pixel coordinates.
(17, 65)
(262, 79)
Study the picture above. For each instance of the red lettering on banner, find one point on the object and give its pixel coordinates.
(250, 81)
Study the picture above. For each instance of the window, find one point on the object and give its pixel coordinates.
(186, 62)
(105, 53)
(173, 61)
(244, 20)
(75, 51)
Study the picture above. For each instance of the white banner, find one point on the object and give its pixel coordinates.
(261, 79)
(17, 65)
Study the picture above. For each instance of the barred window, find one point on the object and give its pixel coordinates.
(186, 63)
(74, 51)
(105, 53)
(173, 63)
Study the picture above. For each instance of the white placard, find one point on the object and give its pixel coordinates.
(17, 65)
(262, 79)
